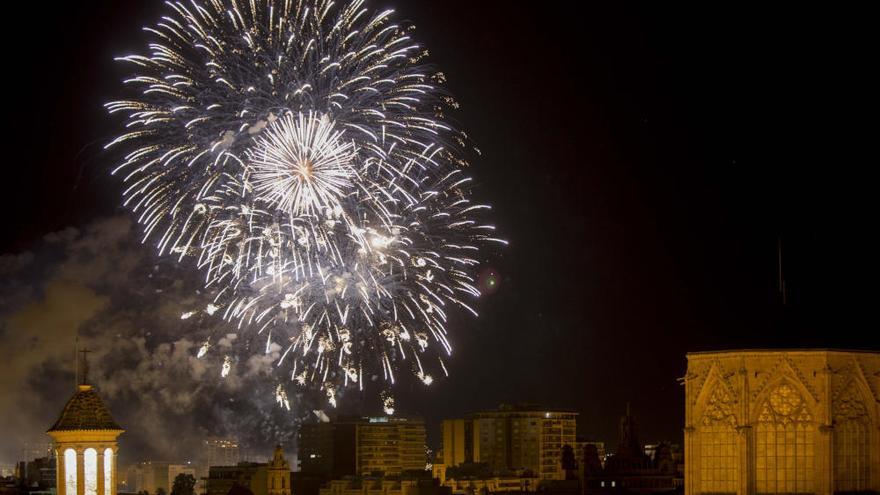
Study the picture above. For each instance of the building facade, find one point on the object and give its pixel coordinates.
(458, 442)
(151, 476)
(85, 445)
(793, 422)
(220, 451)
(271, 478)
(363, 447)
(383, 486)
(510, 439)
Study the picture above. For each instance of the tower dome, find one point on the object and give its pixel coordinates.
(85, 411)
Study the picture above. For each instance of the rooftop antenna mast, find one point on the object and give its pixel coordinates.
(84, 380)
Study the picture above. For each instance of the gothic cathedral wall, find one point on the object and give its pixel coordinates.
(782, 422)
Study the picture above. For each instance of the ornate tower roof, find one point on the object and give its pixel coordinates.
(85, 411)
(278, 460)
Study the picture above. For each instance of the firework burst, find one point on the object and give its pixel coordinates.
(300, 153)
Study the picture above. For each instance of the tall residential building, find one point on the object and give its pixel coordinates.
(362, 446)
(782, 421)
(511, 438)
(457, 437)
(221, 451)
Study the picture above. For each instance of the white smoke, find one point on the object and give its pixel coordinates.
(102, 284)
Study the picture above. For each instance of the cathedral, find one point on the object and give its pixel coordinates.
(85, 444)
(774, 422)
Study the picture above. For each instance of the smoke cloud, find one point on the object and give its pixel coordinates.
(125, 304)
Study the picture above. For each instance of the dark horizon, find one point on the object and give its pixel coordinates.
(644, 162)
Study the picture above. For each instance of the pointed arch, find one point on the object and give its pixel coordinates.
(853, 427)
(715, 392)
(785, 438)
(784, 369)
(773, 384)
(716, 420)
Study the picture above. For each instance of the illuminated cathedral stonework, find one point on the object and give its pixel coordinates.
(773, 422)
(85, 446)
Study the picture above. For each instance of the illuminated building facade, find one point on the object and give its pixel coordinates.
(221, 451)
(362, 447)
(150, 476)
(383, 486)
(792, 422)
(458, 442)
(510, 439)
(85, 445)
(272, 478)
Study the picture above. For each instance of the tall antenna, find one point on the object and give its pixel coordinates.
(85, 366)
(76, 361)
(782, 289)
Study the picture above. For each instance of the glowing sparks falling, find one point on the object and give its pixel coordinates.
(301, 166)
(281, 397)
(299, 154)
(388, 404)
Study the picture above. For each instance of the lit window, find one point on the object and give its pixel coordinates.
(108, 471)
(784, 441)
(852, 459)
(717, 446)
(70, 472)
(90, 465)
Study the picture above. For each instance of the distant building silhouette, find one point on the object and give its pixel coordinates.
(629, 470)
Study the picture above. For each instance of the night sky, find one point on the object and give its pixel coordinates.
(643, 162)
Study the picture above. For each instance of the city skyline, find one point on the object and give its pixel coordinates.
(783, 421)
(666, 187)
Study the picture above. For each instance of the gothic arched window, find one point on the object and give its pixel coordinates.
(718, 452)
(784, 441)
(851, 446)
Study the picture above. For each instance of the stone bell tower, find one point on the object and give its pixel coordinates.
(85, 443)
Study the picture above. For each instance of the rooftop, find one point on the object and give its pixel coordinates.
(789, 350)
(85, 411)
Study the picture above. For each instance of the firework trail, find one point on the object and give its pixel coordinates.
(301, 154)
